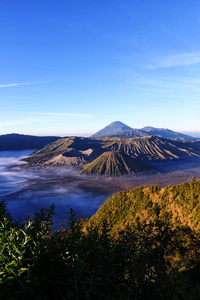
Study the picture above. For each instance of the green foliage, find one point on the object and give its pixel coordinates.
(180, 205)
(131, 249)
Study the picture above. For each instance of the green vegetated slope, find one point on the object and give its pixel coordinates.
(114, 163)
(142, 244)
(179, 205)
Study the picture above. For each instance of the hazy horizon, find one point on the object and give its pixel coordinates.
(89, 133)
(195, 134)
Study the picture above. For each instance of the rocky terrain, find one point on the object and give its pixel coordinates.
(104, 155)
(115, 163)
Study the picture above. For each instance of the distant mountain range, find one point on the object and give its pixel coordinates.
(16, 141)
(119, 129)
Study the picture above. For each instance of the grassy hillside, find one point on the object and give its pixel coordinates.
(114, 163)
(142, 244)
(179, 205)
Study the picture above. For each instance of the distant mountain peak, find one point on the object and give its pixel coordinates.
(112, 129)
(118, 123)
(119, 129)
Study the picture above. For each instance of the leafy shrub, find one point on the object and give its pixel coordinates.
(146, 259)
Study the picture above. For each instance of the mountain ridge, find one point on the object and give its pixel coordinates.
(15, 141)
(119, 129)
(113, 163)
(78, 152)
(123, 208)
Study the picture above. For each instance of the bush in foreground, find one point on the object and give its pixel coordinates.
(151, 261)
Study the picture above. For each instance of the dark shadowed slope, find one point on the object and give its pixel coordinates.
(151, 148)
(131, 133)
(16, 141)
(114, 163)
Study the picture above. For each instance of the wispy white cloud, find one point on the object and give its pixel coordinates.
(26, 117)
(13, 123)
(169, 82)
(56, 114)
(73, 115)
(22, 83)
(182, 59)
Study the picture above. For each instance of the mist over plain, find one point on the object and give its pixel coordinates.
(28, 189)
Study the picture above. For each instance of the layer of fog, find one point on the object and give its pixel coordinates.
(26, 190)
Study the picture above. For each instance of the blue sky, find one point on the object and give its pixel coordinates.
(71, 67)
